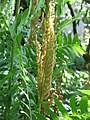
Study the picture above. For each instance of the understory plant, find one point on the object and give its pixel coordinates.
(78, 109)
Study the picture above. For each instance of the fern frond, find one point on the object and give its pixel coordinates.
(67, 47)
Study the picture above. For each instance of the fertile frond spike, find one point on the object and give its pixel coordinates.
(47, 59)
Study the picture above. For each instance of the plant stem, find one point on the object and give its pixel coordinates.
(24, 75)
(17, 7)
(8, 98)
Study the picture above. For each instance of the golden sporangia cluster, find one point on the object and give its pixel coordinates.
(46, 53)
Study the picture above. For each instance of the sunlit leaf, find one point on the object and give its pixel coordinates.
(51, 113)
(73, 104)
(59, 39)
(61, 107)
(84, 104)
(79, 49)
(75, 51)
(87, 92)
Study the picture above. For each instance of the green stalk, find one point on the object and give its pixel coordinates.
(24, 78)
(17, 7)
(12, 60)
(30, 112)
(8, 98)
